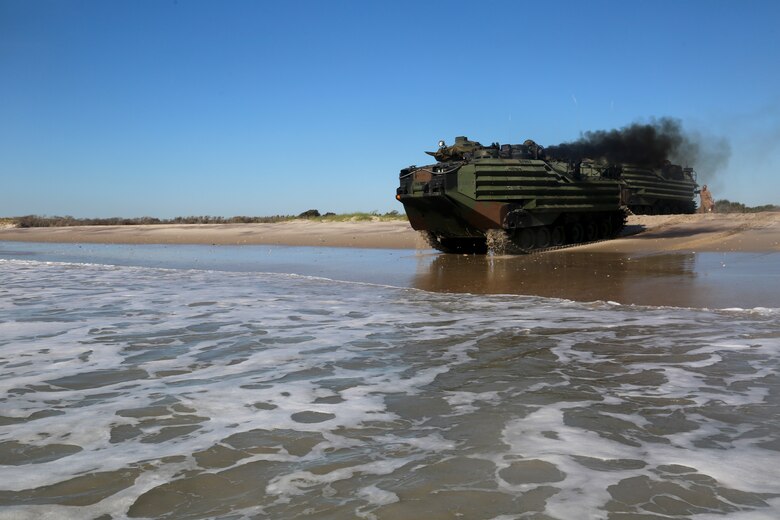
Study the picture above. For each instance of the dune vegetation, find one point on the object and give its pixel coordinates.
(30, 221)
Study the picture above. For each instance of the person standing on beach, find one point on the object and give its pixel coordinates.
(707, 202)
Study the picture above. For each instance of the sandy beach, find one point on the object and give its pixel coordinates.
(719, 233)
(644, 234)
(388, 235)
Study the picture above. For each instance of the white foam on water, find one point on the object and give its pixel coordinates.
(376, 496)
(109, 359)
(743, 467)
(768, 514)
(740, 464)
(466, 402)
(298, 482)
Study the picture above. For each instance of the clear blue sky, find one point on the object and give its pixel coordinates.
(166, 108)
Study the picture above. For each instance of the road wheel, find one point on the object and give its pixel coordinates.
(542, 237)
(605, 228)
(526, 239)
(591, 231)
(557, 236)
(576, 233)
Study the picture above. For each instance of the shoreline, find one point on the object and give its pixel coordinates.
(701, 261)
(644, 234)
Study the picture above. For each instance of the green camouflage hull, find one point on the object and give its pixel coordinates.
(659, 191)
(535, 203)
(530, 199)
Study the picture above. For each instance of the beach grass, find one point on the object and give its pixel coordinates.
(372, 216)
(37, 221)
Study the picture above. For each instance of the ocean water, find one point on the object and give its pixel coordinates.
(148, 386)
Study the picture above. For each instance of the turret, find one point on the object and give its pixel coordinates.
(461, 150)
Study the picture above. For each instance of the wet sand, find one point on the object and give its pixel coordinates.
(715, 261)
(675, 279)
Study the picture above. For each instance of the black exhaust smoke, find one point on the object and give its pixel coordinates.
(645, 144)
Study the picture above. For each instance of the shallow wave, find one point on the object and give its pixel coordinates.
(164, 393)
(217, 272)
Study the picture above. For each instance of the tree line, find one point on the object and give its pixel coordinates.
(726, 206)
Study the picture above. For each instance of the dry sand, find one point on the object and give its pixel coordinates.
(722, 233)
(377, 234)
(755, 232)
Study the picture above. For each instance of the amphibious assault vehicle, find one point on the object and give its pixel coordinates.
(660, 191)
(517, 197)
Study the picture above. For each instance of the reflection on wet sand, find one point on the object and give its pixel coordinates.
(674, 279)
(679, 279)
